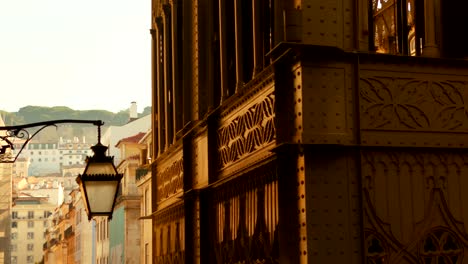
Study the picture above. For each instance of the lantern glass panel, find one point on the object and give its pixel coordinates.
(95, 168)
(101, 195)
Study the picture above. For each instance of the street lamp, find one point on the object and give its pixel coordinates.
(99, 183)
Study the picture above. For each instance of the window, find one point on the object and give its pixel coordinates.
(147, 259)
(14, 236)
(30, 235)
(146, 207)
(14, 224)
(30, 247)
(441, 246)
(30, 259)
(98, 232)
(30, 224)
(77, 242)
(14, 215)
(398, 26)
(30, 214)
(14, 259)
(13, 247)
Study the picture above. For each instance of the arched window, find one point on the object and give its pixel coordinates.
(440, 246)
(376, 252)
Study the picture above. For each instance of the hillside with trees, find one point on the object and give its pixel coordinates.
(34, 114)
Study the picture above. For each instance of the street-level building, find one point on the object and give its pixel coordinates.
(85, 246)
(124, 228)
(29, 223)
(143, 182)
(310, 131)
(59, 247)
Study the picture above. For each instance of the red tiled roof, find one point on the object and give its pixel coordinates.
(132, 139)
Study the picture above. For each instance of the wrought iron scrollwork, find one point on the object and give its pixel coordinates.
(19, 135)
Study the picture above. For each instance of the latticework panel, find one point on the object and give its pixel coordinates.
(246, 218)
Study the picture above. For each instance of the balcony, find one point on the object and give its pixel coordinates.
(69, 232)
(53, 242)
(141, 172)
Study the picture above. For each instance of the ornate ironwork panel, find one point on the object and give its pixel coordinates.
(170, 180)
(247, 132)
(169, 235)
(246, 213)
(415, 206)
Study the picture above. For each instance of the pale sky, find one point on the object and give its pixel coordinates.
(86, 54)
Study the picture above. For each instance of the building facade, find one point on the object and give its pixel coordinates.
(6, 171)
(84, 235)
(50, 157)
(101, 254)
(143, 179)
(113, 134)
(125, 224)
(29, 222)
(309, 131)
(59, 247)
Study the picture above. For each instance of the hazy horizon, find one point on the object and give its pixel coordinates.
(140, 108)
(85, 55)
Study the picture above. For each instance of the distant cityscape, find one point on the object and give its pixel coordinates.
(41, 194)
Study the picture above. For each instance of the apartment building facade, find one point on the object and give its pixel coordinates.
(125, 240)
(309, 131)
(49, 157)
(143, 178)
(6, 171)
(29, 223)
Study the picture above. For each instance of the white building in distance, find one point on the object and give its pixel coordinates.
(134, 126)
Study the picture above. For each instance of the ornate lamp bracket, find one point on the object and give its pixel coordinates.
(13, 136)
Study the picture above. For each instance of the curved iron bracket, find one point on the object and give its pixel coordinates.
(10, 134)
